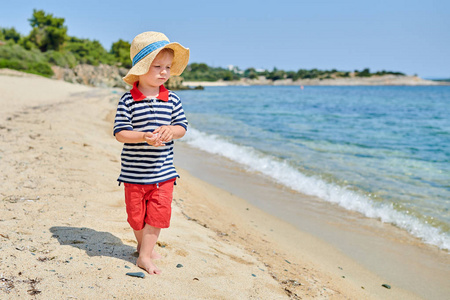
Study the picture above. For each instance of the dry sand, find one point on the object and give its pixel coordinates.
(63, 228)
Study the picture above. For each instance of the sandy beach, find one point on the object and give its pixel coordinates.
(64, 234)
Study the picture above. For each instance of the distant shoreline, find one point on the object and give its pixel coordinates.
(386, 80)
(106, 76)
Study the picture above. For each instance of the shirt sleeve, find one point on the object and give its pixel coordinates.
(122, 121)
(178, 116)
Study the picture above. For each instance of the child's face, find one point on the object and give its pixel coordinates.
(159, 71)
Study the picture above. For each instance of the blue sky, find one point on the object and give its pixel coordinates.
(407, 36)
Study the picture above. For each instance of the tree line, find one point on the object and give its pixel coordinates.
(49, 44)
(203, 72)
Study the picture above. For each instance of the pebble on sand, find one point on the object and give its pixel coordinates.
(136, 274)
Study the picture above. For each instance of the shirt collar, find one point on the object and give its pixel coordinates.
(138, 96)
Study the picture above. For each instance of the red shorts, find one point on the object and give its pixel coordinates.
(149, 203)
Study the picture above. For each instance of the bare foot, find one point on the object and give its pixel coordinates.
(147, 265)
(155, 255)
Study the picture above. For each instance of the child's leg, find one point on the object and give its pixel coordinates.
(149, 236)
(138, 235)
(158, 212)
(136, 199)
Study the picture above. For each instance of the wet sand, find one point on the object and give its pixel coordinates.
(389, 252)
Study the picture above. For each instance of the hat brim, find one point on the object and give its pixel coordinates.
(180, 61)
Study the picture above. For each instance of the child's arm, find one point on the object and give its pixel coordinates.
(132, 137)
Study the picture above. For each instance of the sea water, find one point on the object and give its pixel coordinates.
(381, 151)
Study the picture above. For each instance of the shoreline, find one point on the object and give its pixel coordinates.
(378, 248)
(63, 223)
(386, 80)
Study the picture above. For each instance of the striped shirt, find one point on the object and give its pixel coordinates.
(142, 163)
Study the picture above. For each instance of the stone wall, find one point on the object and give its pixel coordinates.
(104, 76)
(100, 76)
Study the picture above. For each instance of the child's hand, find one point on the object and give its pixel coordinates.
(153, 139)
(165, 132)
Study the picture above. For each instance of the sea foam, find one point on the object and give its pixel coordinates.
(285, 174)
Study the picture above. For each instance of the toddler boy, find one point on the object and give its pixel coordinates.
(148, 118)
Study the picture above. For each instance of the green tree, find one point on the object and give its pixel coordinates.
(313, 73)
(121, 51)
(227, 75)
(251, 73)
(364, 73)
(202, 67)
(9, 34)
(302, 73)
(48, 33)
(293, 75)
(89, 52)
(276, 74)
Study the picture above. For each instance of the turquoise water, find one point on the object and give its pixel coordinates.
(381, 151)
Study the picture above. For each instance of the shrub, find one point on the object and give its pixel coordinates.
(18, 58)
(65, 60)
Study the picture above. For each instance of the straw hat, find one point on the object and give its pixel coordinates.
(144, 49)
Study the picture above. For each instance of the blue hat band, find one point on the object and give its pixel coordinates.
(147, 50)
